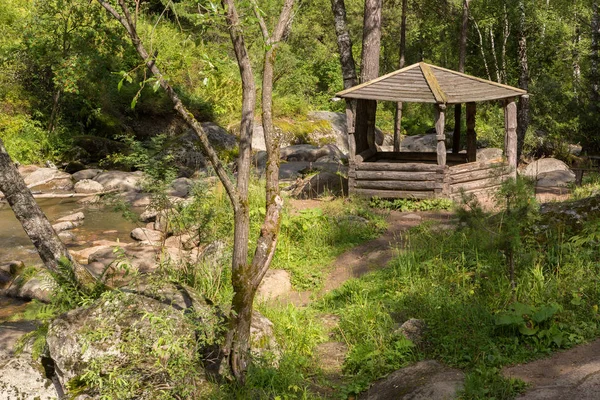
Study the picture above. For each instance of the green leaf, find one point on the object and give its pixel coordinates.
(507, 319)
(525, 330)
(545, 313)
(156, 86)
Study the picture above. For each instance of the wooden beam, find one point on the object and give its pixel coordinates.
(433, 83)
(510, 134)
(440, 121)
(471, 135)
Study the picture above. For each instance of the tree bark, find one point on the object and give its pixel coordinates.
(399, 105)
(440, 121)
(34, 221)
(595, 59)
(523, 109)
(366, 110)
(348, 65)
(461, 68)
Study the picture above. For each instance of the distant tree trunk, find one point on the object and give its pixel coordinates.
(366, 109)
(505, 35)
(399, 105)
(482, 50)
(523, 109)
(595, 59)
(34, 222)
(348, 67)
(494, 57)
(461, 68)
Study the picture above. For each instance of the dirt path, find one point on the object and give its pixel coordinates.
(567, 375)
(369, 256)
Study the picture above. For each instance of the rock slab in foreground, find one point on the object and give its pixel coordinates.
(425, 380)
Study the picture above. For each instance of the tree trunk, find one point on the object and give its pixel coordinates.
(523, 110)
(595, 59)
(482, 51)
(34, 222)
(399, 105)
(505, 35)
(348, 68)
(366, 110)
(461, 68)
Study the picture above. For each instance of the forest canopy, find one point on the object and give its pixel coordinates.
(68, 71)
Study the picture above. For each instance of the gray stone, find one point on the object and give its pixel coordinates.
(419, 143)
(544, 165)
(49, 179)
(86, 174)
(414, 330)
(425, 380)
(147, 234)
(310, 153)
(88, 186)
(276, 283)
(180, 187)
(66, 225)
(262, 338)
(489, 154)
(121, 319)
(22, 378)
(185, 241)
(258, 138)
(67, 237)
(555, 178)
(78, 216)
(142, 259)
(149, 215)
(321, 183)
(412, 217)
(120, 180)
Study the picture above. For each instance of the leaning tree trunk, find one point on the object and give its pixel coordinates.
(34, 221)
(523, 109)
(366, 109)
(399, 105)
(461, 68)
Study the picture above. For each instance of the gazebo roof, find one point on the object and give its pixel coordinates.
(426, 83)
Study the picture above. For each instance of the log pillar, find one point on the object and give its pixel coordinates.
(350, 114)
(510, 134)
(471, 136)
(440, 121)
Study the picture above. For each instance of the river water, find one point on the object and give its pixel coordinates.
(100, 223)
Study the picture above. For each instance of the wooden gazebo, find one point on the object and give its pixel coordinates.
(430, 174)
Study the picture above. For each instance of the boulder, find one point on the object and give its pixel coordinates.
(555, 179)
(180, 187)
(26, 170)
(489, 154)
(21, 377)
(310, 153)
(67, 237)
(424, 380)
(120, 180)
(321, 183)
(419, 143)
(86, 174)
(262, 339)
(145, 234)
(66, 225)
(185, 241)
(88, 186)
(137, 199)
(142, 259)
(412, 217)
(186, 149)
(122, 333)
(49, 179)
(338, 134)
(258, 138)
(78, 216)
(149, 215)
(37, 287)
(544, 165)
(276, 283)
(414, 330)
(219, 137)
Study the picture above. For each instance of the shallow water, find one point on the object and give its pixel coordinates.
(100, 223)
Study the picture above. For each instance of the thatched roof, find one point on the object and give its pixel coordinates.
(426, 83)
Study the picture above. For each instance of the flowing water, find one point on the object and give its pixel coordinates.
(100, 223)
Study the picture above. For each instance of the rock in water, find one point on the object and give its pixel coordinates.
(88, 186)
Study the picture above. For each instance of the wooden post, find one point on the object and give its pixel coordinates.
(510, 134)
(440, 121)
(350, 114)
(471, 136)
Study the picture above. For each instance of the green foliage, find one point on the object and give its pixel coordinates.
(412, 205)
(487, 383)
